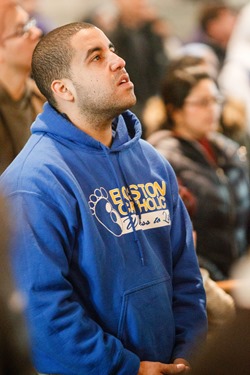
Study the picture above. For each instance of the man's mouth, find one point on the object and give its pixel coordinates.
(124, 79)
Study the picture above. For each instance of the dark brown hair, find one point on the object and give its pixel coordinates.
(179, 80)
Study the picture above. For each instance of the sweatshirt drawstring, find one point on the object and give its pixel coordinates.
(137, 210)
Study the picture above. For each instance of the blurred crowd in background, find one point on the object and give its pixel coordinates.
(182, 14)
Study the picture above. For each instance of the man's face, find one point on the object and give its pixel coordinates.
(101, 83)
(17, 46)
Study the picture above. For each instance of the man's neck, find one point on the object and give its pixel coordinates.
(13, 82)
(103, 135)
(100, 131)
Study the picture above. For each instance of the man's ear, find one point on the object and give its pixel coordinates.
(64, 89)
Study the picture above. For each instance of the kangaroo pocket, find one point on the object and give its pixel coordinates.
(146, 324)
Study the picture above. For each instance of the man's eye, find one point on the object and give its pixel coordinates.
(96, 58)
(19, 32)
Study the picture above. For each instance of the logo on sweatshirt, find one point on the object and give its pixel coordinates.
(137, 207)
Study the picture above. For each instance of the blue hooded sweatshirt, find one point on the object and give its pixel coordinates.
(103, 251)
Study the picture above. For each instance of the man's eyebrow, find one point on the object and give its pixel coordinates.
(98, 49)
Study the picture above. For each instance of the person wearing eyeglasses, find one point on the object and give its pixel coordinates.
(213, 167)
(20, 99)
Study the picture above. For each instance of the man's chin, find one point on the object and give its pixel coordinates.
(131, 103)
(128, 105)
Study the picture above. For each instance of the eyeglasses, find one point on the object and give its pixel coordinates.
(206, 102)
(22, 30)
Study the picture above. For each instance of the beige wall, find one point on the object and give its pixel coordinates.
(180, 13)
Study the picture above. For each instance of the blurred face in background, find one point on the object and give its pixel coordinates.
(136, 12)
(18, 38)
(200, 112)
(220, 29)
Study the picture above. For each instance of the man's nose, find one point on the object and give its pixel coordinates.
(116, 62)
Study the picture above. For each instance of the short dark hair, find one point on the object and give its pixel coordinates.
(52, 57)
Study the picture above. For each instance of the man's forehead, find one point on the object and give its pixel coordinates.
(11, 17)
(7, 12)
(90, 38)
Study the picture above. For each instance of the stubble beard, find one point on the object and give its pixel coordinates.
(100, 110)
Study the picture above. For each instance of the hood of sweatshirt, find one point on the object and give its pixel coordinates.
(126, 132)
(126, 129)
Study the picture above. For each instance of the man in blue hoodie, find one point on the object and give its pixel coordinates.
(103, 251)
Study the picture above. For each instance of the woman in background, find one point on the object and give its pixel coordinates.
(210, 165)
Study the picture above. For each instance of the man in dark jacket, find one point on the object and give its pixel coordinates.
(141, 47)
